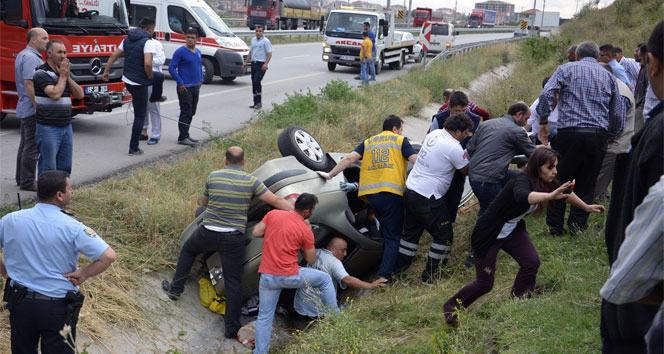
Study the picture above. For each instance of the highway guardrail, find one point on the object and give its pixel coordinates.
(464, 48)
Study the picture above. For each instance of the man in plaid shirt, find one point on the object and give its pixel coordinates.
(590, 112)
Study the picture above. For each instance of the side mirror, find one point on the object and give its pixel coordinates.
(322, 24)
(386, 29)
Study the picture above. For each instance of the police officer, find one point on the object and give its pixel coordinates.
(260, 55)
(41, 247)
(385, 159)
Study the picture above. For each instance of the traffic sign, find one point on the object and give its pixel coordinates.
(523, 24)
(401, 14)
(425, 36)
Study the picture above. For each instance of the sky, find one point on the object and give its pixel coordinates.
(567, 8)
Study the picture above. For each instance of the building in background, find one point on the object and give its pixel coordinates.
(504, 10)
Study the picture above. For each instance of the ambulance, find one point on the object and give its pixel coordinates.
(223, 52)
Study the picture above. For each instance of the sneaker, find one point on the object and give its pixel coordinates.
(166, 287)
(135, 152)
(143, 137)
(186, 141)
(153, 141)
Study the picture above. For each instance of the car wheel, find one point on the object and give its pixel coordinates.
(228, 78)
(331, 66)
(297, 142)
(3, 116)
(208, 71)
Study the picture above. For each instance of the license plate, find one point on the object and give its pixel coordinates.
(348, 57)
(259, 13)
(96, 89)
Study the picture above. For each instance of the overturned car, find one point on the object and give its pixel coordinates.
(338, 213)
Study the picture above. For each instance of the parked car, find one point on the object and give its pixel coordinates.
(337, 214)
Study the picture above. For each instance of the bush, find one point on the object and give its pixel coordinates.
(539, 50)
(338, 90)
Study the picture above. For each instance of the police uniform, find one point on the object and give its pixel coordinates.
(40, 245)
(382, 184)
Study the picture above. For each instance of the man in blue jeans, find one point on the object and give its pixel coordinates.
(385, 158)
(54, 89)
(286, 233)
(372, 62)
(187, 70)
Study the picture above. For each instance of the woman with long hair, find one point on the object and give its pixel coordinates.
(502, 227)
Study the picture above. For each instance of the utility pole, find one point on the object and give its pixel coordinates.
(534, 11)
(455, 12)
(410, 12)
(388, 4)
(542, 20)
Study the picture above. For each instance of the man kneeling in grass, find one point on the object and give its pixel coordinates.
(329, 260)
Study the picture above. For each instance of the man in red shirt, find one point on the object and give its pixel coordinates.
(285, 234)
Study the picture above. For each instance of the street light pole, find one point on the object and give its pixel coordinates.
(410, 11)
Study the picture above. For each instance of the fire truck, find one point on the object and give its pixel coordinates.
(91, 31)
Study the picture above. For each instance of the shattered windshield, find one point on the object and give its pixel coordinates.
(81, 16)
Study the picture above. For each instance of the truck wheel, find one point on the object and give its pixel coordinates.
(297, 142)
(252, 27)
(402, 61)
(208, 71)
(3, 116)
(228, 79)
(379, 64)
(331, 66)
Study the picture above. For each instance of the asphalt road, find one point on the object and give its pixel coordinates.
(101, 140)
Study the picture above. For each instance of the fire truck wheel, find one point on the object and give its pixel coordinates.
(208, 71)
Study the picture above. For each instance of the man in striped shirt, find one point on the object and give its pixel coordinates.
(227, 195)
(590, 112)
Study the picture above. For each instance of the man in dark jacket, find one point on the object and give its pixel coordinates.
(623, 327)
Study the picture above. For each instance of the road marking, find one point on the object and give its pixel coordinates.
(298, 56)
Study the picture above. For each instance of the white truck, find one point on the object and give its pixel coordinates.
(343, 35)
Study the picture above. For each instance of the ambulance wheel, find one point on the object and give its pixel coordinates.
(228, 79)
(208, 70)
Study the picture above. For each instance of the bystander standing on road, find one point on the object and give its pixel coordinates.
(308, 300)
(285, 234)
(606, 56)
(260, 54)
(629, 64)
(374, 53)
(54, 89)
(502, 227)
(382, 183)
(623, 327)
(440, 157)
(227, 195)
(24, 70)
(637, 274)
(155, 97)
(365, 58)
(187, 70)
(138, 51)
(589, 113)
(41, 247)
(617, 150)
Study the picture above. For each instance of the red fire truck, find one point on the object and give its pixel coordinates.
(91, 31)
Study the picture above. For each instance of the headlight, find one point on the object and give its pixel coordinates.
(448, 45)
(326, 48)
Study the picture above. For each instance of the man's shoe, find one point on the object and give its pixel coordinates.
(555, 232)
(135, 152)
(186, 141)
(30, 187)
(153, 141)
(143, 137)
(357, 77)
(160, 99)
(470, 260)
(166, 287)
(192, 139)
(256, 106)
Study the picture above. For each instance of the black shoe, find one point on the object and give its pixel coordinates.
(357, 77)
(470, 260)
(186, 141)
(30, 187)
(256, 106)
(192, 139)
(135, 152)
(555, 232)
(160, 99)
(166, 287)
(143, 137)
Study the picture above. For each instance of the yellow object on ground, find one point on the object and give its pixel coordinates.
(209, 298)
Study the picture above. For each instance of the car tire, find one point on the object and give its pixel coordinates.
(228, 79)
(331, 66)
(379, 64)
(297, 142)
(208, 70)
(3, 116)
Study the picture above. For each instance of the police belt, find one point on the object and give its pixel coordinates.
(33, 295)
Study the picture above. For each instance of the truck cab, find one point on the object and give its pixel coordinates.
(91, 32)
(342, 38)
(222, 51)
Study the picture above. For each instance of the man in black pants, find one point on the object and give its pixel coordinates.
(228, 193)
(590, 112)
(260, 55)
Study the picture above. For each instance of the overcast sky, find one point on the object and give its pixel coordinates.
(567, 8)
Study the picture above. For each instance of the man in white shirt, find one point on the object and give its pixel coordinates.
(308, 301)
(533, 126)
(440, 156)
(154, 92)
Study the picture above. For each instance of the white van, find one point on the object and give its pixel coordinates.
(223, 52)
(442, 36)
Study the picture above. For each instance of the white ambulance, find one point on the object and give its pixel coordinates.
(223, 52)
(442, 36)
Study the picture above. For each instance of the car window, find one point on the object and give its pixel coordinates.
(179, 19)
(139, 12)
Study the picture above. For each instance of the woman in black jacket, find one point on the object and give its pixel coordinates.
(502, 227)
